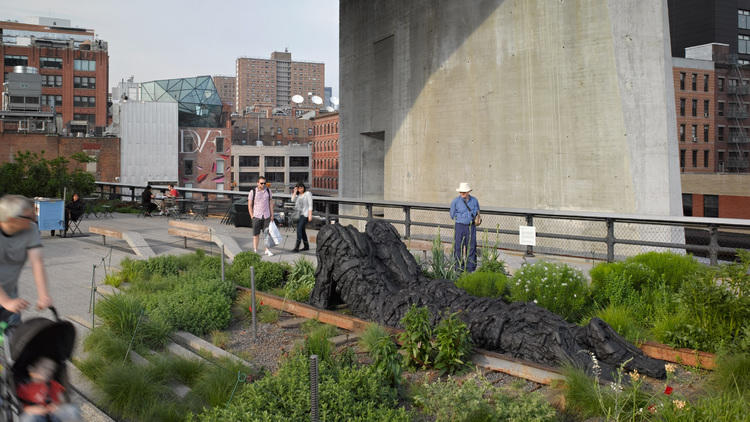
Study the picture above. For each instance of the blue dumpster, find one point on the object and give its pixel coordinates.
(50, 213)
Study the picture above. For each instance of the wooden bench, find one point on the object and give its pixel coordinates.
(202, 232)
(135, 240)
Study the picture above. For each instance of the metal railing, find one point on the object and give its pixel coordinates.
(594, 235)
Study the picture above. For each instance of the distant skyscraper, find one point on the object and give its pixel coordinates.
(697, 22)
(329, 94)
(272, 82)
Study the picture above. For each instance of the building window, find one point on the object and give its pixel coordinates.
(85, 65)
(275, 177)
(188, 168)
(710, 205)
(695, 108)
(50, 63)
(220, 166)
(248, 176)
(720, 133)
(48, 80)
(219, 145)
(720, 110)
(721, 84)
(743, 19)
(84, 101)
(299, 161)
(290, 131)
(11, 60)
(682, 106)
(743, 44)
(682, 80)
(88, 118)
(682, 158)
(705, 83)
(706, 107)
(694, 81)
(695, 133)
(296, 131)
(705, 133)
(84, 82)
(705, 158)
(188, 145)
(309, 131)
(298, 176)
(695, 158)
(687, 204)
(249, 161)
(274, 161)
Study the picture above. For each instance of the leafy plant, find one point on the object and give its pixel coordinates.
(475, 399)
(302, 275)
(124, 313)
(559, 288)
(484, 284)
(371, 334)
(623, 321)
(441, 265)
(416, 339)
(453, 344)
(489, 259)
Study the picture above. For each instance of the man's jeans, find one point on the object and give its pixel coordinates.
(465, 238)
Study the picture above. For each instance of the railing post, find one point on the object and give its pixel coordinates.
(132, 194)
(369, 211)
(610, 240)
(407, 222)
(713, 244)
(328, 212)
(529, 222)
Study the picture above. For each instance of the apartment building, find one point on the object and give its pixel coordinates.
(325, 154)
(72, 62)
(274, 81)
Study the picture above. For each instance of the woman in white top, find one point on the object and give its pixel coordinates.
(303, 206)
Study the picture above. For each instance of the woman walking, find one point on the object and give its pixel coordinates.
(303, 212)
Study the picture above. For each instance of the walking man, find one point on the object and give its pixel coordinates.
(464, 209)
(19, 240)
(260, 208)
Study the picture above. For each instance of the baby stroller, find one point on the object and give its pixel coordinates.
(23, 345)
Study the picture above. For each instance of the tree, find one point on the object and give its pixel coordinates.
(32, 175)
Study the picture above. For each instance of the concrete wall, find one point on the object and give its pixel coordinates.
(149, 142)
(536, 103)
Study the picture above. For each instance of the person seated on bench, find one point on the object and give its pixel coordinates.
(146, 203)
(74, 210)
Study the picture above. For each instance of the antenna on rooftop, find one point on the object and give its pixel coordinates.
(297, 99)
(317, 100)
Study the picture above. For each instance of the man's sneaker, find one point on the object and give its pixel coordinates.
(269, 253)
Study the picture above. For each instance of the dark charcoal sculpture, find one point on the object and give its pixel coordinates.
(379, 279)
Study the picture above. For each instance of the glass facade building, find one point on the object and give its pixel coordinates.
(198, 101)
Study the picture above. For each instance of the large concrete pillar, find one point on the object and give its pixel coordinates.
(564, 104)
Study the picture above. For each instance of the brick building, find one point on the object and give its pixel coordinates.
(272, 82)
(105, 151)
(274, 129)
(226, 86)
(325, 154)
(711, 103)
(74, 66)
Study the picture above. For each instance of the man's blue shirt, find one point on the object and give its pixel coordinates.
(460, 213)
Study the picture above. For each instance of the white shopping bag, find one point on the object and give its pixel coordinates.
(274, 233)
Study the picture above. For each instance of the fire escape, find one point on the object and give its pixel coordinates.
(737, 161)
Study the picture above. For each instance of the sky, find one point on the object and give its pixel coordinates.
(163, 39)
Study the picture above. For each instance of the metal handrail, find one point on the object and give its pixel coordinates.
(712, 225)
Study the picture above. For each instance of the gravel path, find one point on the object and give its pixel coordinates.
(271, 344)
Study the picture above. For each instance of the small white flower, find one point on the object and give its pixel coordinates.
(535, 301)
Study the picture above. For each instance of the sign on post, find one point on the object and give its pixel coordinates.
(527, 235)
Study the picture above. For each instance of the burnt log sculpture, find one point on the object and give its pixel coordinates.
(379, 279)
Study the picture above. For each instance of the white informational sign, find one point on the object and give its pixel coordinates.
(527, 235)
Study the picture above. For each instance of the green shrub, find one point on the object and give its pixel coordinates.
(416, 339)
(557, 287)
(383, 351)
(484, 284)
(267, 314)
(440, 265)
(133, 270)
(268, 275)
(133, 392)
(475, 399)
(452, 344)
(302, 275)
(165, 265)
(346, 393)
(240, 268)
(189, 309)
(215, 384)
(371, 334)
(121, 313)
(732, 372)
(623, 321)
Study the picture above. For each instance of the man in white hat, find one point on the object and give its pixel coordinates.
(463, 210)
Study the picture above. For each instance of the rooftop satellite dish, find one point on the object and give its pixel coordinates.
(317, 100)
(330, 109)
(335, 101)
(296, 99)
